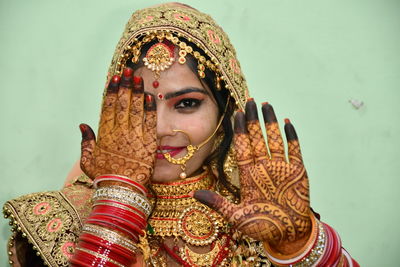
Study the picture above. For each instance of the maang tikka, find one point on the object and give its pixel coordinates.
(159, 57)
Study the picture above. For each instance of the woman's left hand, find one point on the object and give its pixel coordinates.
(274, 204)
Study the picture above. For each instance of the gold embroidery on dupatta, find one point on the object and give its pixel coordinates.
(51, 221)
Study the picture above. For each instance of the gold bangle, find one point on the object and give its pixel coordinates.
(123, 195)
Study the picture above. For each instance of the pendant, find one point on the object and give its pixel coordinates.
(198, 226)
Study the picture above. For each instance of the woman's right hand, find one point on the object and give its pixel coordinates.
(126, 141)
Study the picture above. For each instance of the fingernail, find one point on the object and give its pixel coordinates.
(290, 132)
(127, 78)
(128, 72)
(240, 123)
(115, 79)
(137, 80)
(137, 85)
(287, 120)
(149, 98)
(250, 99)
(150, 102)
(114, 84)
(191, 193)
(268, 113)
(251, 111)
(83, 128)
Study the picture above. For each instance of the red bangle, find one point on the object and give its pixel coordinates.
(122, 218)
(122, 210)
(101, 243)
(336, 246)
(86, 259)
(90, 244)
(119, 178)
(333, 247)
(114, 203)
(137, 207)
(115, 213)
(121, 213)
(101, 201)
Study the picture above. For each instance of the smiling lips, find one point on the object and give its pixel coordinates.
(172, 150)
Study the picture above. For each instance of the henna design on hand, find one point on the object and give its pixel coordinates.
(274, 204)
(126, 142)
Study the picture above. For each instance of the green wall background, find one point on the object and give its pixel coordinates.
(307, 58)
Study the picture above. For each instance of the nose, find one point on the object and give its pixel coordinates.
(164, 122)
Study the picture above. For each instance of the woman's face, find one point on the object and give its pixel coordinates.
(183, 103)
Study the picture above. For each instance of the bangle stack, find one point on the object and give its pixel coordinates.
(115, 225)
(323, 248)
(333, 252)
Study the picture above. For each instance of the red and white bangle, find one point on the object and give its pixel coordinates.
(122, 179)
(117, 220)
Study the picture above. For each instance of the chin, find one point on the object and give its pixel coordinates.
(165, 171)
(168, 172)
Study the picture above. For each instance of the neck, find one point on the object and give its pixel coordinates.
(181, 188)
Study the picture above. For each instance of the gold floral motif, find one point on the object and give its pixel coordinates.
(50, 223)
(198, 226)
(79, 194)
(159, 57)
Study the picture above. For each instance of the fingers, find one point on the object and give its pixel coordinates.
(124, 99)
(137, 106)
(274, 137)
(255, 133)
(150, 125)
(244, 155)
(216, 202)
(87, 147)
(294, 152)
(243, 148)
(108, 110)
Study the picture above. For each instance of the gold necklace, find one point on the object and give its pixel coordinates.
(176, 214)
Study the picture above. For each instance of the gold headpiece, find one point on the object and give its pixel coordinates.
(179, 25)
(159, 57)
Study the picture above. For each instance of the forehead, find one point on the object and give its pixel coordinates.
(175, 78)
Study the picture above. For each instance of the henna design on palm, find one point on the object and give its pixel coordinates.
(274, 204)
(126, 142)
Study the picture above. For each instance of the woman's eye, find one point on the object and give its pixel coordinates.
(188, 103)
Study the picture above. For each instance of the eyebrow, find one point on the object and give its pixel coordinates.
(185, 91)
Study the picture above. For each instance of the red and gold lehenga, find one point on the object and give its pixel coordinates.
(46, 226)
